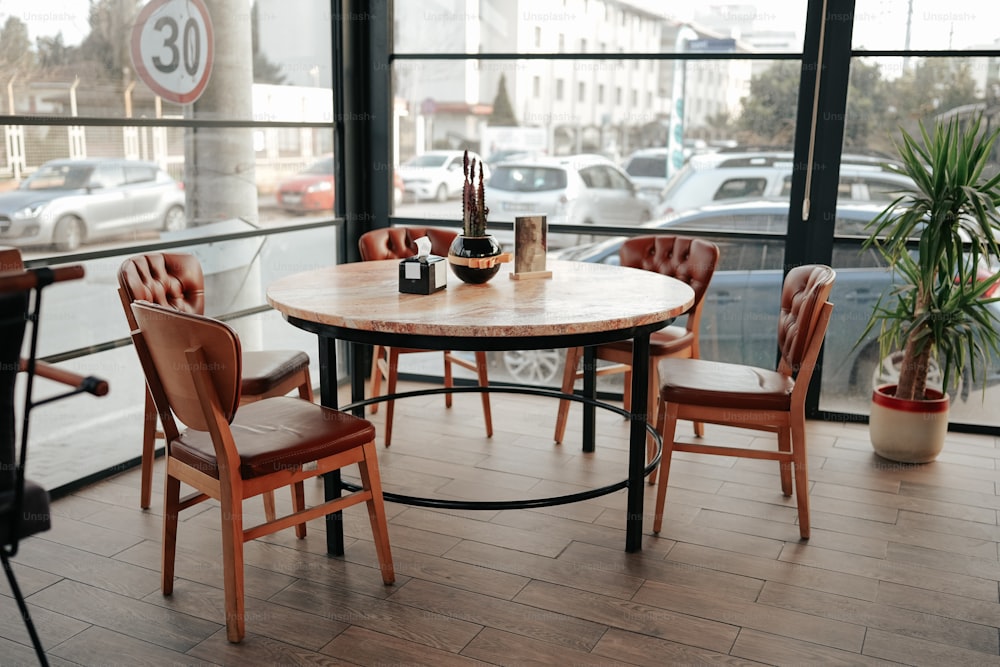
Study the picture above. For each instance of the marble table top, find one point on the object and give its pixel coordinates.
(578, 298)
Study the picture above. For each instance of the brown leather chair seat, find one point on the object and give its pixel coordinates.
(280, 433)
(722, 385)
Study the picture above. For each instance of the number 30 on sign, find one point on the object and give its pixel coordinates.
(172, 48)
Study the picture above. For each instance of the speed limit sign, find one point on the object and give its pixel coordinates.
(172, 48)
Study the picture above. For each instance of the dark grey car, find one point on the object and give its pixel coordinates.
(69, 202)
(739, 321)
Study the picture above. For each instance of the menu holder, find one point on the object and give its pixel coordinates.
(530, 246)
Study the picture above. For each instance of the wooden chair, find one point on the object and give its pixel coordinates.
(687, 259)
(232, 450)
(399, 243)
(24, 505)
(176, 280)
(754, 398)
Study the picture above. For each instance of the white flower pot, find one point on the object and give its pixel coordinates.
(908, 431)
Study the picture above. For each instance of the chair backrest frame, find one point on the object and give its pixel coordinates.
(804, 292)
(174, 349)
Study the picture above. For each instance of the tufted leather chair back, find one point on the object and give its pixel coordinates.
(803, 293)
(690, 260)
(167, 279)
(400, 242)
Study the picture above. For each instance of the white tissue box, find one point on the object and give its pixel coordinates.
(423, 275)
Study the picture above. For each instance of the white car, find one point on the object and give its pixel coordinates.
(731, 176)
(438, 174)
(574, 190)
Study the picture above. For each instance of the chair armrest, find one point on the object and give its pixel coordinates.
(89, 383)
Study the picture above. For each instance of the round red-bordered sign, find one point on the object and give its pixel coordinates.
(173, 47)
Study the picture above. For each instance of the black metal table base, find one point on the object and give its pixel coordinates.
(441, 503)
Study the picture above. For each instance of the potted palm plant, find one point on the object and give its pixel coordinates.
(941, 242)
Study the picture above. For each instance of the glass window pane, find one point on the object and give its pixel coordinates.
(886, 96)
(141, 186)
(925, 25)
(574, 26)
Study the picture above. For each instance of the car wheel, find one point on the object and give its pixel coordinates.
(538, 367)
(174, 220)
(68, 234)
(442, 193)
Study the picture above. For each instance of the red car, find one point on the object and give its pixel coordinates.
(310, 190)
(313, 189)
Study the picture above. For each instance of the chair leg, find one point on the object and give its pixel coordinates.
(372, 481)
(148, 452)
(306, 388)
(653, 400)
(375, 384)
(449, 380)
(270, 513)
(171, 508)
(785, 469)
(390, 405)
(667, 427)
(23, 607)
(627, 392)
(298, 504)
(801, 475)
(569, 379)
(232, 565)
(484, 381)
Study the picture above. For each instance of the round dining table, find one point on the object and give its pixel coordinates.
(581, 304)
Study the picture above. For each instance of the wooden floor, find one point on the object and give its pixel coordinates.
(902, 566)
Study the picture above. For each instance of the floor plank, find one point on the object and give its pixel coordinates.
(902, 566)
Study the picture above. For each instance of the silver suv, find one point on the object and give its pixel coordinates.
(69, 202)
(717, 178)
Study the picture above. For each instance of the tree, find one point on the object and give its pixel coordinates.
(53, 52)
(15, 47)
(503, 111)
(264, 71)
(768, 113)
(867, 105)
(106, 44)
(931, 86)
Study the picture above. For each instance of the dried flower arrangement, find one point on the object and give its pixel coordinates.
(474, 209)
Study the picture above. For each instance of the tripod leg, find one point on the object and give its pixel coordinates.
(42, 660)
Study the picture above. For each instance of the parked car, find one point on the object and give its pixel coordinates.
(69, 202)
(740, 319)
(313, 189)
(574, 190)
(731, 176)
(438, 174)
(647, 167)
(507, 154)
(310, 190)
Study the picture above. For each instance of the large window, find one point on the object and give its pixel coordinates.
(711, 95)
(100, 162)
(246, 175)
